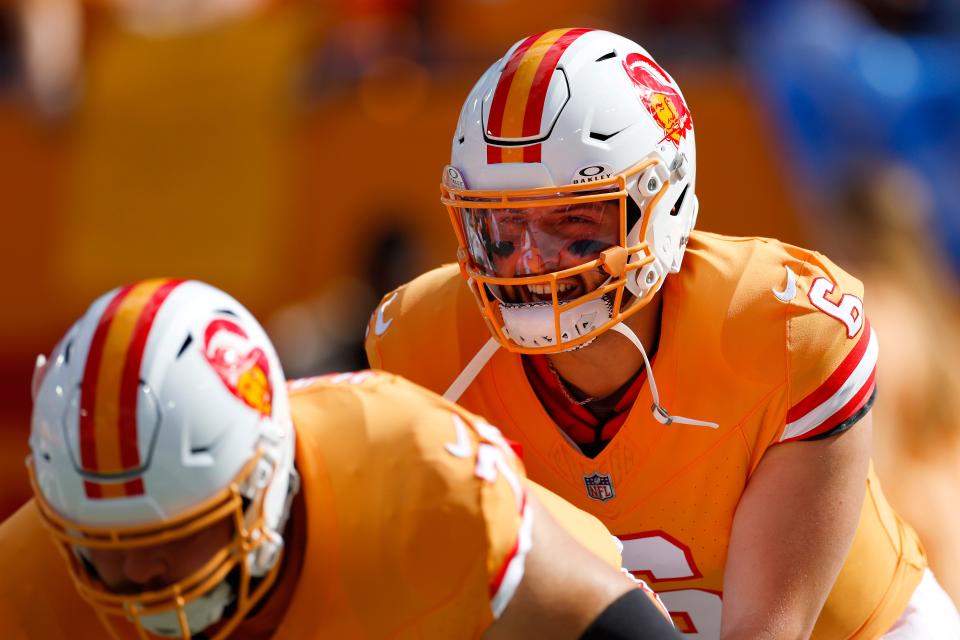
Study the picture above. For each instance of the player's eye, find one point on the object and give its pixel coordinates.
(501, 248)
(587, 247)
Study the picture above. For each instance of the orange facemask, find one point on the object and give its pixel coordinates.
(518, 240)
(123, 614)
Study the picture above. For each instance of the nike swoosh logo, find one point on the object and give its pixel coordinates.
(462, 448)
(380, 327)
(790, 291)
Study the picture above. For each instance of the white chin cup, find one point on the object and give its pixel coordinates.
(533, 325)
(201, 613)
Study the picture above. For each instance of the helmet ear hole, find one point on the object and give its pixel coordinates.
(679, 203)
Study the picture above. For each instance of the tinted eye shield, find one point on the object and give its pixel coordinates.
(517, 242)
(484, 256)
(570, 230)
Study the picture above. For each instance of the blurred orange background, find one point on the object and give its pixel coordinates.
(289, 152)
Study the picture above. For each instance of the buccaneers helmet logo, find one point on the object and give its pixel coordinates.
(658, 96)
(241, 365)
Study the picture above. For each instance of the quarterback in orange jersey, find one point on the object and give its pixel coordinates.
(192, 494)
(715, 414)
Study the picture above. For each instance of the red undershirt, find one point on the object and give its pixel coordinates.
(592, 425)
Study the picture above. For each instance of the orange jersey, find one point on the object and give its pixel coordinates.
(413, 515)
(768, 340)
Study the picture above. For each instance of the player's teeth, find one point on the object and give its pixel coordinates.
(544, 289)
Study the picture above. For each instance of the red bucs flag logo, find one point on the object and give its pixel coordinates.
(241, 364)
(661, 99)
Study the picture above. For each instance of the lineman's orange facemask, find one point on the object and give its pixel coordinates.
(171, 579)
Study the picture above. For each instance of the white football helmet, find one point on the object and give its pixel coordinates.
(163, 411)
(571, 187)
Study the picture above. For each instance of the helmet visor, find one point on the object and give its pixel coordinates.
(534, 239)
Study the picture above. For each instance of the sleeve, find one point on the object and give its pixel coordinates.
(424, 515)
(831, 352)
(503, 511)
(457, 525)
(423, 329)
(407, 320)
(378, 324)
(37, 596)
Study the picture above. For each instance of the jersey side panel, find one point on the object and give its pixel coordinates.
(883, 567)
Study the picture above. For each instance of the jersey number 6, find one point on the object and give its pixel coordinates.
(849, 310)
(658, 557)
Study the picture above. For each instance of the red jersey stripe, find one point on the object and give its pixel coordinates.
(497, 580)
(826, 390)
(846, 412)
(502, 571)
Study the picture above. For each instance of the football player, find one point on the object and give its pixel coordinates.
(192, 495)
(707, 397)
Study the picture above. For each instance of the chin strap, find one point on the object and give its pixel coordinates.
(659, 412)
(471, 371)
(482, 357)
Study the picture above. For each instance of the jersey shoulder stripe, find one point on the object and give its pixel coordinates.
(505, 583)
(844, 392)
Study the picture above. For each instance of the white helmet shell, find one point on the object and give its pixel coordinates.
(573, 106)
(152, 404)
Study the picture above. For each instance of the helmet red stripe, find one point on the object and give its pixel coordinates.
(134, 487)
(88, 389)
(499, 103)
(532, 153)
(541, 81)
(92, 489)
(130, 382)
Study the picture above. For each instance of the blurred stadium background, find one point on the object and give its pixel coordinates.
(289, 151)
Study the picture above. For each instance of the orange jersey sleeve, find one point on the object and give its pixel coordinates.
(416, 510)
(831, 349)
(427, 330)
(37, 596)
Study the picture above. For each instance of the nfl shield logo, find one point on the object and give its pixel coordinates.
(599, 486)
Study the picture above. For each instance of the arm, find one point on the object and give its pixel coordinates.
(791, 533)
(566, 589)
